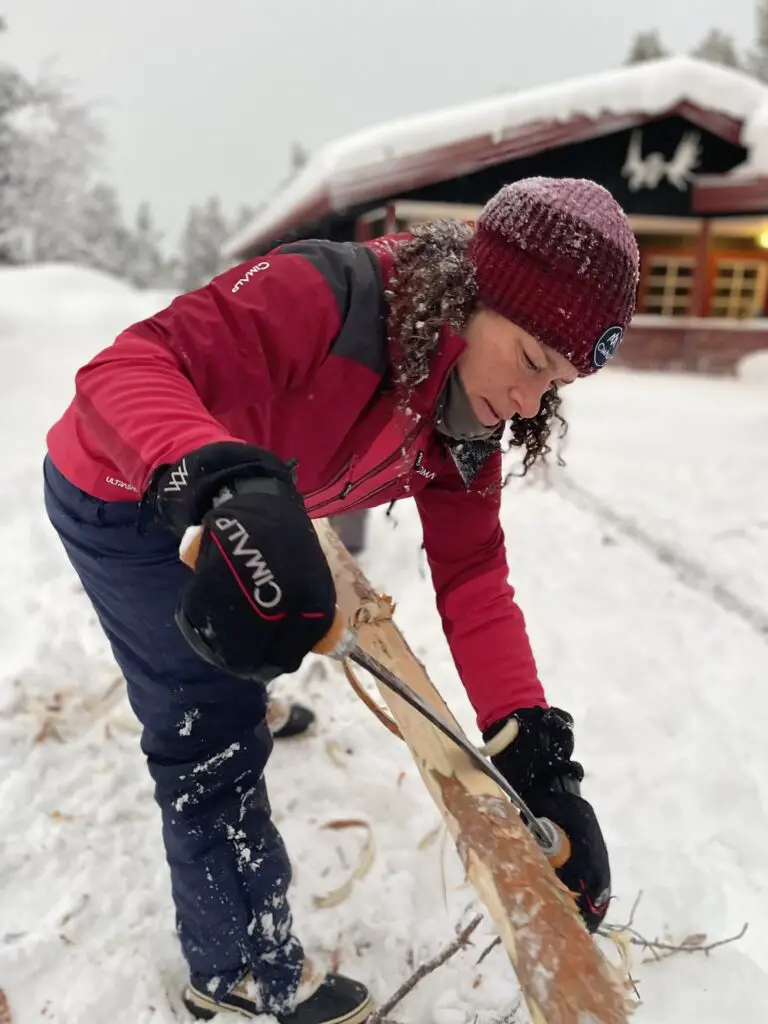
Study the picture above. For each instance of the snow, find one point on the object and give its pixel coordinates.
(651, 87)
(755, 139)
(665, 678)
(754, 367)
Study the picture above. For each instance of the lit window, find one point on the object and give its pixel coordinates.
(738, 290)
(668, 285)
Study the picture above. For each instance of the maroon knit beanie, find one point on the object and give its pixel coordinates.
(557, 257)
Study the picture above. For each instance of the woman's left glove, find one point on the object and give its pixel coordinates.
(537, 763)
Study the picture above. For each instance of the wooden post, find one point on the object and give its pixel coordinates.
(563, 976)
(700, 289)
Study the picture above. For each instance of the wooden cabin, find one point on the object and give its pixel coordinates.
(681, 144)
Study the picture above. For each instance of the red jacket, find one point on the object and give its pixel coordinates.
(290, 352)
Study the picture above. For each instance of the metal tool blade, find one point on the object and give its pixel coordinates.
(390, 680)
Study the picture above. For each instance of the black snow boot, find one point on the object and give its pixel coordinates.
(322, 999)
(288, 719)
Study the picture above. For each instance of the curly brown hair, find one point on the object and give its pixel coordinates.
(432, 285)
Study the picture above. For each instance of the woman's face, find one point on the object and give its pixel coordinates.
(505, 371)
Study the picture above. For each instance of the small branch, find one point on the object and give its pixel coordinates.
(691, 944)
(662, 950)
(496, 942)
(81, 904)
(722, 942)
(634, 909)
(379, 1016)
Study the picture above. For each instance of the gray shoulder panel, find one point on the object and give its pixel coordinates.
(353, 274)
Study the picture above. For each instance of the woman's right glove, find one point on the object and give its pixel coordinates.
(537, 763)
(262, 594)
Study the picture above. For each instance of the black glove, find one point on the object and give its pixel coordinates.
(262, 594)
(538, 764)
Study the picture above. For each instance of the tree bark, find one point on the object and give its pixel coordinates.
(563, 976)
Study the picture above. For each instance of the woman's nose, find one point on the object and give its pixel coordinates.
(529, 401)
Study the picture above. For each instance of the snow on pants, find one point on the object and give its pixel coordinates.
(206, 742)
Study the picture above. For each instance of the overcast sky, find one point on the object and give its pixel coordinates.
(204, 97)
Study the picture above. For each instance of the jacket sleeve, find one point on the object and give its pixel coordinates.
(484, 627)
(155, 393)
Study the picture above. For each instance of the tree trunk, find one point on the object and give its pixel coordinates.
(563, 976)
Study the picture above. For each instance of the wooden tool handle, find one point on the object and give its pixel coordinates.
(562, 852)
(189, 549)
(336, 637)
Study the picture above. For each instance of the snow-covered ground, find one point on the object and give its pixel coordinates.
(642, 572)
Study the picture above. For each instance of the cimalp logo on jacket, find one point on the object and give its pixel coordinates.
(266, 590)
(255, 269)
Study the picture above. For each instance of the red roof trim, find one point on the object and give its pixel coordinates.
(470, 155)
(730, 195)
(728, 128)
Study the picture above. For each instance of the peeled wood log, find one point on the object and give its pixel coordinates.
(562, 974)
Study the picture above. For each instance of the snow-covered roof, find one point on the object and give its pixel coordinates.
(336, 176)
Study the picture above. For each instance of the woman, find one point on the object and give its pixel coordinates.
(324, 378)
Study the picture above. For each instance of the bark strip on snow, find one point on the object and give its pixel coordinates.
(563, 976)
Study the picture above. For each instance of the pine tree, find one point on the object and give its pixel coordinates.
(50, 151)
(103, 239)
(15, 95)
(53, 207)
(202, 242)
(646, 46)
(299, 157)
(757, 59)
(241, 218)
(145, 266)
(57, 151)
(718, 48)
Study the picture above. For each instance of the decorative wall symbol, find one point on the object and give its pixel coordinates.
(647, 171)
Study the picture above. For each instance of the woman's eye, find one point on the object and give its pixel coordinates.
(530, 362)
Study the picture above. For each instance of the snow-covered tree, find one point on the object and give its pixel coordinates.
(299, 157)
(103, 240)
(54, 203)
(15, 96)
(757, 59)
(145, 265)
(56, 155)
(646, 46)
(202, 241)
(205, 233)
(718, 48)
(242, 216)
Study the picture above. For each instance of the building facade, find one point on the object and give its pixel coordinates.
(681, 144)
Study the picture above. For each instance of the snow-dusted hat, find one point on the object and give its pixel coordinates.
(557, 256)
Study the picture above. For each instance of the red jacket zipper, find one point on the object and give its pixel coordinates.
(385, 464)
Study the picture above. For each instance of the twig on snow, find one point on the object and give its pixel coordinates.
(380, 1015)
(690, 944)
(661, 950)
(496, 942)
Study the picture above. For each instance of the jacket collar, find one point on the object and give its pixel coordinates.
(468, 456)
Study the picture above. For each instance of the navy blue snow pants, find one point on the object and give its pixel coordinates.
(206, 742)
